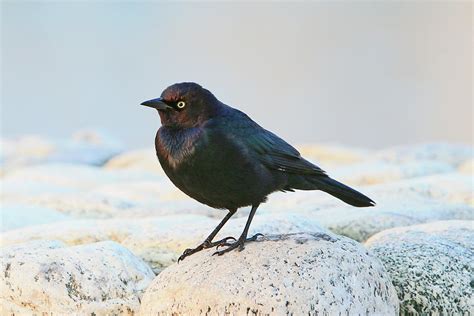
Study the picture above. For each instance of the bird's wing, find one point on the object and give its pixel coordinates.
(277, 154)
(270, 149)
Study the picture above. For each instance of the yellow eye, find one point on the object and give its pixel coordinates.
(181, 104)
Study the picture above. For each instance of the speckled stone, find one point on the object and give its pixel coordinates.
(46, 277)
(431, 265)
(297, 274)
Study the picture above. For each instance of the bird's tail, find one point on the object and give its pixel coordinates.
(341, 191)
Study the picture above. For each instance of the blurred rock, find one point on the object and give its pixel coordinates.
(158, 240)
(375, 172)
(467, 167)
(73, 176)
(406, 202)
(140, 159)
(92, 192)
(360, 224)
(91, 147)
(431, 266)
(450, 153)
(333, 154)
(47, 277)
(297, 274)
(15, 216)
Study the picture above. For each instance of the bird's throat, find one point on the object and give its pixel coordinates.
(174, 145)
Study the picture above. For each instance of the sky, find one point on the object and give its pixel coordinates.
(368, 74)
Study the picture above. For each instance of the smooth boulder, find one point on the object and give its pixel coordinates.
(297, 274)
(46, 277)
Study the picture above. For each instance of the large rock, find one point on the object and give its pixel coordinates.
(299, 274)
(46, 277)
(157, 240)
(431, 266)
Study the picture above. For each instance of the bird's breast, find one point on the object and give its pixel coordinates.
(173, 146)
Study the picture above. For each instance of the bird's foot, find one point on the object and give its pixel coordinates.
(237, 244)
(206, 244)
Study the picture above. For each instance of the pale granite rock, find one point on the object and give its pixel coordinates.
(299, 274)
(451, 153)
(431, 266)
(14, 216)
(48, 277)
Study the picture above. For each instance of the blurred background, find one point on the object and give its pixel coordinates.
(369, 74)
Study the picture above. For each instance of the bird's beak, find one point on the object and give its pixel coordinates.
(156, 104)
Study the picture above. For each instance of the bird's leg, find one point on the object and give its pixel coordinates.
(243, 238)
(208, 241)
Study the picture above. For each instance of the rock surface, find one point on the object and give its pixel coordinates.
(47, 277)
(431, 266)
(160, 240)
(296, 274)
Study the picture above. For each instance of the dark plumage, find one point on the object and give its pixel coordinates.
(220, 157)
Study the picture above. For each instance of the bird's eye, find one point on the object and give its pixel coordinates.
(181, 104)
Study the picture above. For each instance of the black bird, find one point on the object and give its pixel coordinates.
(220, 157)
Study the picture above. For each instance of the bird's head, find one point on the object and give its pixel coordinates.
(184, 104)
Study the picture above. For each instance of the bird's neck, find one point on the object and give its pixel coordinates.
(173, 144)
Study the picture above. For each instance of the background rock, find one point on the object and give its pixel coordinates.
(333, 154)
(139, 159)
(159, 240)
(375, 172)
(46, 277)
(450, 153)
(92, 147)
(14, 216)
(296, 274)
(467, 167)
(431, 266)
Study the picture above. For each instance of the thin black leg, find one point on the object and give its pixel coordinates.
(208, 241)
(249, 221)
(243, 238)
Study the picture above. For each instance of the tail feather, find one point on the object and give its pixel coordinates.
(341, 191)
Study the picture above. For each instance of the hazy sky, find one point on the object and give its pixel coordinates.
(359, 73)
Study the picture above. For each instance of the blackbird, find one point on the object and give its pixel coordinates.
(220, 157)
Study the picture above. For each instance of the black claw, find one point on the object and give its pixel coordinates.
(237, 244)
(206, 244)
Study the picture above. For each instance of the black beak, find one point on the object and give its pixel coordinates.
(157, 103)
